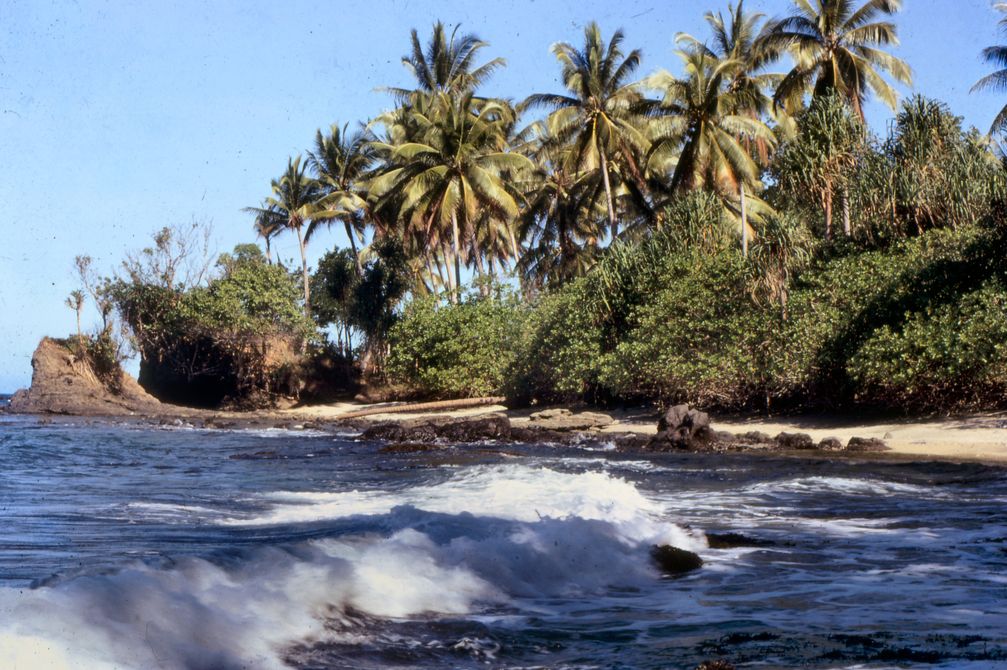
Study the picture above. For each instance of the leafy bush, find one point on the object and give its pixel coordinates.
(455, 350)
(700, 339)
(236, 336)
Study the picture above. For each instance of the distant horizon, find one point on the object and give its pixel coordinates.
(192, 110)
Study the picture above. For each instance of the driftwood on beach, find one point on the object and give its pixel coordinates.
(435, 406)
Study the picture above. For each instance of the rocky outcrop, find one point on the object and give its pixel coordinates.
(562, 419)
(866, 445)
(795, 441)
(63, 383)
(682, 427)
(451, 429)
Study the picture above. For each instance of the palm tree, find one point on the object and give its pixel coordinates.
(340, 162)
(296, 202)
(561, 218)
(598, 119)
(447, 64)
(997, 81)
(76, 302)
(265, 226)
(840, 48)
(702, 113)
(452, 170)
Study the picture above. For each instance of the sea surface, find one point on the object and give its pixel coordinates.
(138, 547)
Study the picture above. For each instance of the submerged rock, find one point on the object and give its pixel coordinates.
(734, 540)
(675, 561)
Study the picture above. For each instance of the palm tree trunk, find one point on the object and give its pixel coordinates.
(304, 273)
(846, 213)
(353, 247)
(608, 194)
(269, 252)
(744, 223)
(458, 255)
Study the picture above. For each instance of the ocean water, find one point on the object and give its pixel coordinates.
(131, 547)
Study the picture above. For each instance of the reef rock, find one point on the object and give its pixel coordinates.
(866, 444)
(452, 429)
(63, 383)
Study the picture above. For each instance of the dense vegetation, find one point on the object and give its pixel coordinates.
(732, 234)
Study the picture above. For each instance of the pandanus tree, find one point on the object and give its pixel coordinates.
(296, 202)
(839, 47)
(996, 81)
(598, 116)
(451, 171)
(341, 161)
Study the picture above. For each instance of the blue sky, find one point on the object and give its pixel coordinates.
(119, 118)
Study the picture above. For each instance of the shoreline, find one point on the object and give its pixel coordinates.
(975, 438)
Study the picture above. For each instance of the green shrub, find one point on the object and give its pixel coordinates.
(701, 339)
(448, 350)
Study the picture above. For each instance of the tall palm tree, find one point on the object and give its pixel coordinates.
(560, 219)
(840, 48)
(447, 63)
(296, 202)
(452, 170)
(702, 113)
(598, 117)
(341, 161)
(265, 226)
(997, 81)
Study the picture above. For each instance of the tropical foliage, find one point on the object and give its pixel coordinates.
(657, 233)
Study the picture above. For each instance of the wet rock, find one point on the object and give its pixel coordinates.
(754, 437)
(682, 427)
(734, 540)
(675, 561)
(452, 429)
(408, 448)
(796, 441)
(866, 445)
(831, 444)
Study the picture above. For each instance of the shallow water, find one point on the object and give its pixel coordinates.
(142, 548)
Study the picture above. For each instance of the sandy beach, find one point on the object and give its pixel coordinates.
(981, 437)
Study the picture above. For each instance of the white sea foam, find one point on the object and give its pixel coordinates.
(512, 491)
(485, 537)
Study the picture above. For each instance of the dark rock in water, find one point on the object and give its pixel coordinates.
(453, 429)
(755, 437)
(408, 448)
(798, 441)
(831, 444)
(866, 444)
(734, 540)
(675, 561)
(682, 427)
(718, 664)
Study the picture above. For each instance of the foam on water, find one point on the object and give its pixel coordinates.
(484, 537)
(512, 491)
